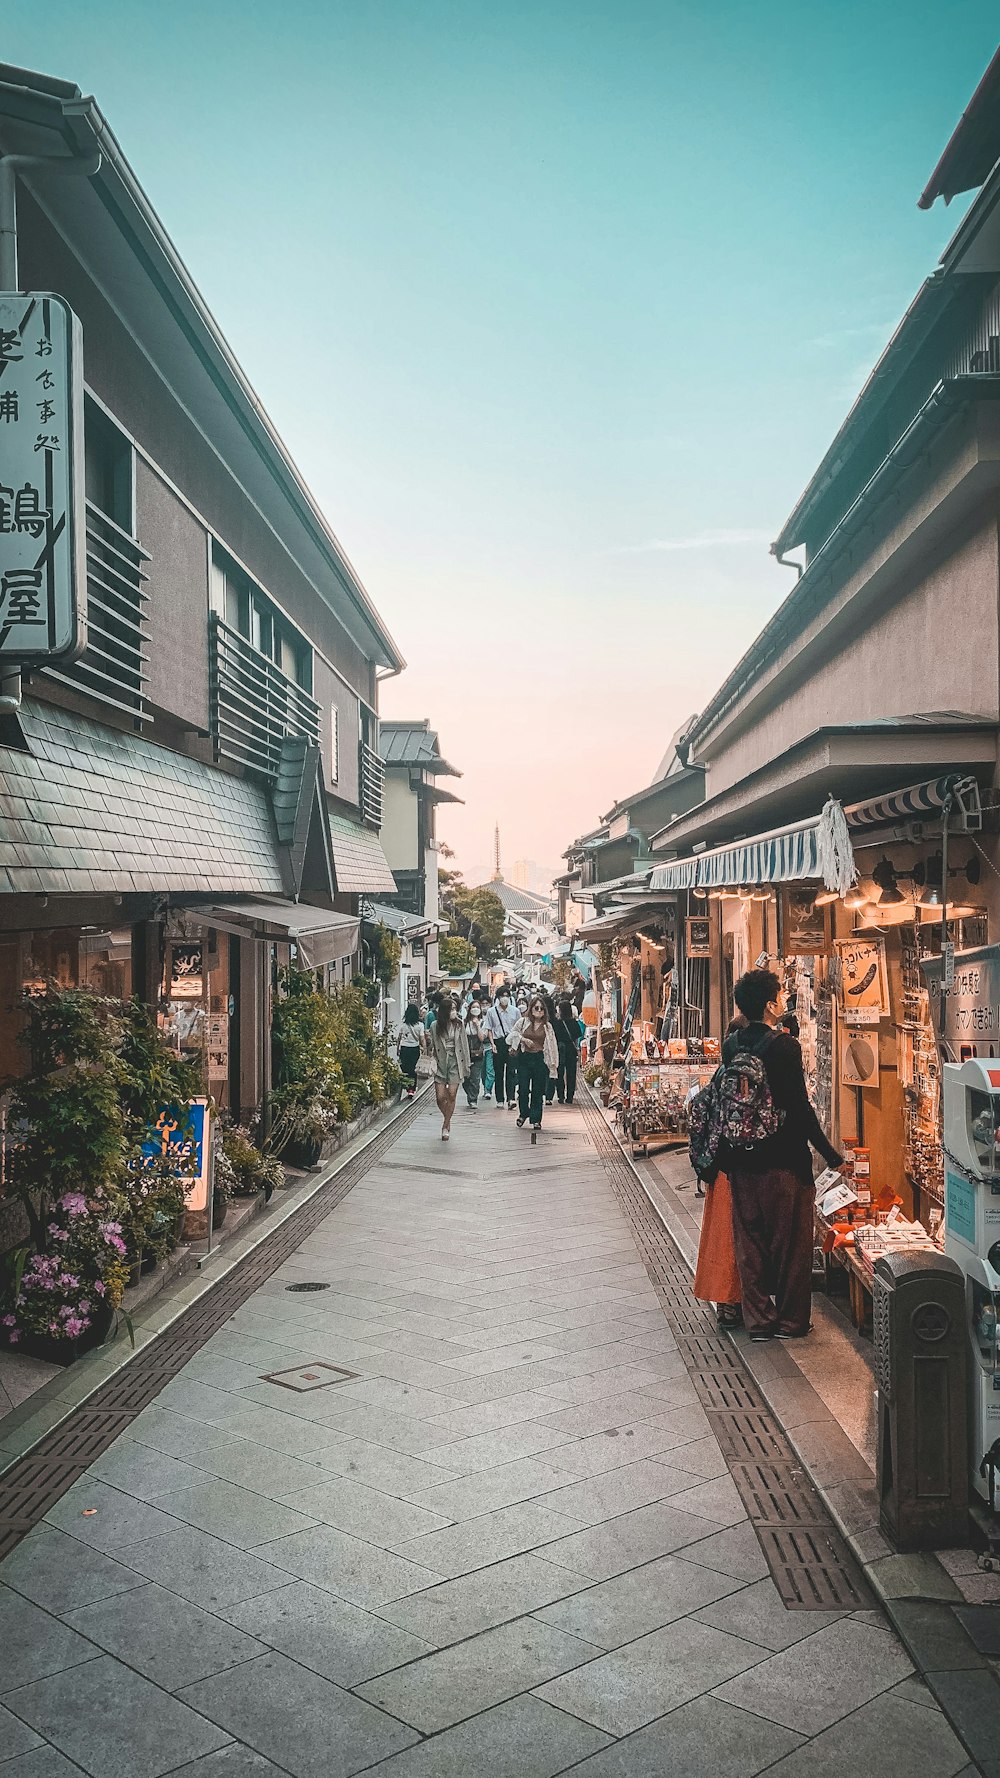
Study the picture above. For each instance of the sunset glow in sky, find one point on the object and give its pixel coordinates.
(556, 304)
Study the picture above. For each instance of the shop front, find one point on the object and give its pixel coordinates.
(848, 909)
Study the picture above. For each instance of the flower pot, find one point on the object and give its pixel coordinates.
(148, 1263)
(134, 1272)
(61, 1351)
(219, 1212)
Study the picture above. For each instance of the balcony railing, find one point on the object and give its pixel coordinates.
(253, 704)
(371, 780)
(113, 666)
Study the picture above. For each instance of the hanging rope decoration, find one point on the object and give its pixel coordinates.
(834, 852)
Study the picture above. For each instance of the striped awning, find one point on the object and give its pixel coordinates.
(903, 805)
(787, 855)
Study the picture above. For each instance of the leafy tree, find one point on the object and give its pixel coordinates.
(478, 915)
(456, 955)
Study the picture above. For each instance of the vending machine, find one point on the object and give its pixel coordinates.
(972, 1238)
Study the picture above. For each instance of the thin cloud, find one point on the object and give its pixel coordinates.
(701, 540)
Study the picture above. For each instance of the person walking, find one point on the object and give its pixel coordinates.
(450, 1048)
(477, 1038)
(568, 1030)
(500, 1021)
(538, 1057)
(771, 1179)
(408, 1048)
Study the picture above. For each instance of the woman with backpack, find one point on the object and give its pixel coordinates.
(756, 1124)
(717, 1278)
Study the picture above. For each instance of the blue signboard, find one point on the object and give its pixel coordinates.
(183, 1136)
(960, 1207)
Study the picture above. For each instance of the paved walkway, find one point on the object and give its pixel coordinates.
(506, 1547)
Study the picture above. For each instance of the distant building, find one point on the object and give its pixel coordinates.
(414, 766)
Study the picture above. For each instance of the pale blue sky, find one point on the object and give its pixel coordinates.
(557, 307)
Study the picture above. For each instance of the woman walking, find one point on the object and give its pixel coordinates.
(408, 1048)
(569, 1030)
(538, 1057)
(450, 1048)
(478, 1039)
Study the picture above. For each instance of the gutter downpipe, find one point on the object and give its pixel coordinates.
(786, 561)
(10, 166)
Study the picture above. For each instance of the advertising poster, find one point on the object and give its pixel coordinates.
(858, 1057)
(803, 926)
(184, 1139)
(699, 937)
(864, 988)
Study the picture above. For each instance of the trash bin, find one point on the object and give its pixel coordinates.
(920, 1365)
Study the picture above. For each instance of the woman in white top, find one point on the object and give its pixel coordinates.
(538, 1057)
(449, 1046)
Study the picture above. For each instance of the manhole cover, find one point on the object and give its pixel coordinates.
(303, 1378)
(310, 1284)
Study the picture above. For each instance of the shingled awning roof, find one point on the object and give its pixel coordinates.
(413, 744)
(94, 810)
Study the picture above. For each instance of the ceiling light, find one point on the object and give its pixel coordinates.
(884, 877)
(824, 897)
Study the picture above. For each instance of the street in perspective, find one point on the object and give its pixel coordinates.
(500, 1206)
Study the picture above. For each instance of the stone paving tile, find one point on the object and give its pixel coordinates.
(236, 1515)
(33, 1643)
(484, 1491)
(487, 1449)
(135, 1469)
(327, 1634)
(160, 1429)
(758, 1613)
(499, 1358)
(478, 1601)
(348, 1566)
(398, 1432)
(57, 1572)
(365, 1512)
(233, 1761)
(820, 1679)
(270, 1473)
(701, 1456)
(313, 1728)
(717, 1499)
(524, 1738)
(611, 1547)
(438, 1691)
(168, 1639)
(377, 1466)
(613, 1492)
(643, 1599)
(104, 1517)
(491, 1416)
(735, 1551)
(621, 1410)
(619, 1380)
(15, 1736)
(202, 1568)
(616, 1447)
(475, 1543)
(114, 1723)
(44, 1762)
(889, 1734)
(703, 1739)
(628, 1688)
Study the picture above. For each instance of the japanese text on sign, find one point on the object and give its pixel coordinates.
(42, 514)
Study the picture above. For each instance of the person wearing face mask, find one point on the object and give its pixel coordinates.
(500, 1022)
(771, 1179)
(538, 1058)
(478, 1041)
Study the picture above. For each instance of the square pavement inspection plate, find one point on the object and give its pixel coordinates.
(305, 1377)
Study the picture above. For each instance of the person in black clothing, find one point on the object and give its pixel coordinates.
(567, 1030)
(772, 1183)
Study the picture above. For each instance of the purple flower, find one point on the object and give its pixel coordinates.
(75, 1327)
(9, 1321)
(85, 1308)
(14, 1336)
(98, 1287)
(74, 1204)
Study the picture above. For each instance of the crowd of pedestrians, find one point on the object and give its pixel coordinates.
(519, 1050)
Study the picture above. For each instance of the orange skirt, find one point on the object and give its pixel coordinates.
(716, 1279)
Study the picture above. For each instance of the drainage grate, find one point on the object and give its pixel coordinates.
(35, 1482)
(810, 1563)
(310, 1284)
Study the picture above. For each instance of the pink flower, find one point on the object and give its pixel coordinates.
(14, 1336)
(9, 1321)
(75, 1326)
(54, 1327)
(85, 1308)
(98, 1287)
(74, 1204)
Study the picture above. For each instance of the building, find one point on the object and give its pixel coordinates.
(197, 798)
(850, 756)
(414, 764)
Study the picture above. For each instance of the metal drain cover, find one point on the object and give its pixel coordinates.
(304, 1378)
(311, 1284)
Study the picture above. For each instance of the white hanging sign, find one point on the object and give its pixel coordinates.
(43, 566)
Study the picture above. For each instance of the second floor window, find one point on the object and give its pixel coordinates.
(244, 608)
(107, 467)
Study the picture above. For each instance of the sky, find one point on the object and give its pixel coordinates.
(585, 290)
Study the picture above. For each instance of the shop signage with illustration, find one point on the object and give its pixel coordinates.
(864, 987)
(183, 1138)
(43, 571)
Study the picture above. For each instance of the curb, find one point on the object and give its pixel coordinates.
(963, 1681)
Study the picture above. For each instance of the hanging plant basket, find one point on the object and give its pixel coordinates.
(62, 1351)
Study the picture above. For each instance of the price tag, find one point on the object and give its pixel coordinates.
(948, 975)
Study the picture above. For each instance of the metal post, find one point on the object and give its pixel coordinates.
(945, 812)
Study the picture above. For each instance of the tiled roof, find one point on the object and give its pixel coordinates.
(413, 744)
(379, 913)
(514, 900)
(359, 861)
(92, 809)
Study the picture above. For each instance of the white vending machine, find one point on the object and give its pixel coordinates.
(972, 1238)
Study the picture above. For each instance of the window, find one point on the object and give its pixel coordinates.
(107, 467)
(334, 744)
(246, 609)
